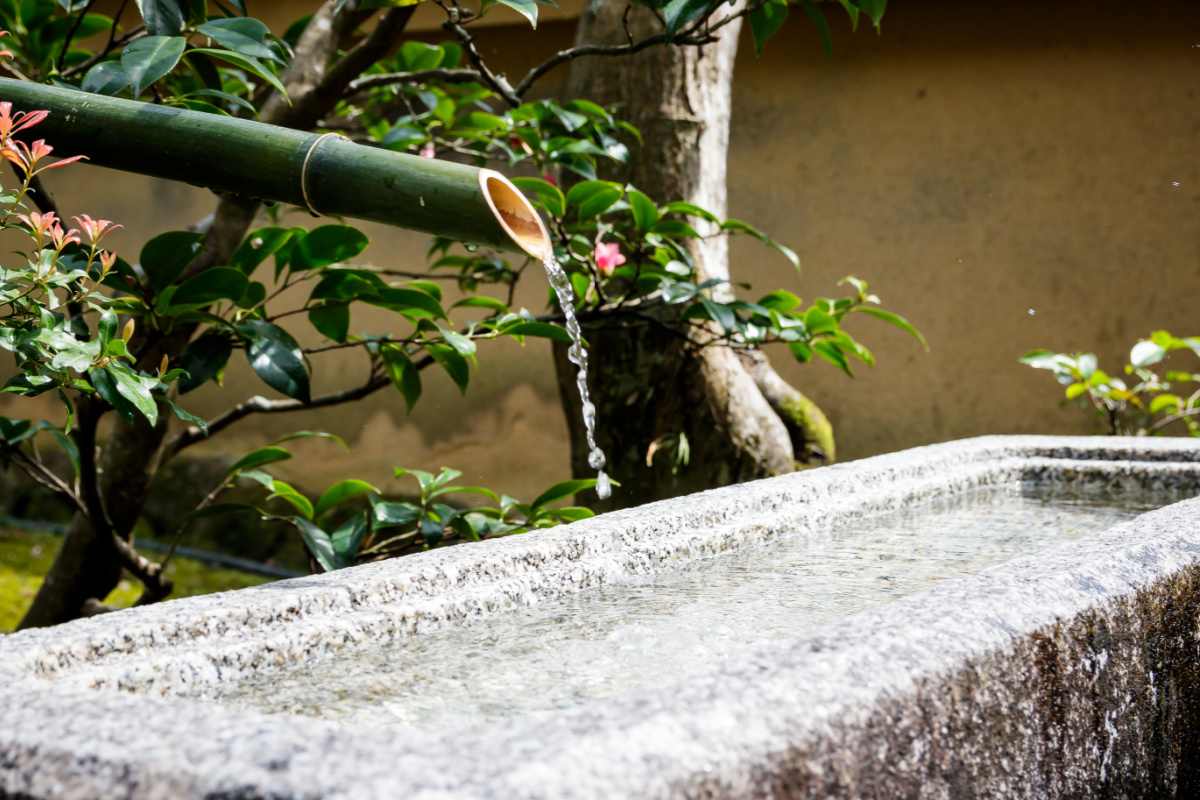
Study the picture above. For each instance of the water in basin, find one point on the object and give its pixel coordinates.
(611, 640)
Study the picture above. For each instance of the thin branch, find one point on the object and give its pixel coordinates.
(461, 75)
(113, 44)
(453, 24)
(74, 29)
(44, 476)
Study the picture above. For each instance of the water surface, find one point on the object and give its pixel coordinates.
(662, 630)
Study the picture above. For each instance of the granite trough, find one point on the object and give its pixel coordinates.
(1064, 664)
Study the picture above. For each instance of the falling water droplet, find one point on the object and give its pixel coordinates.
(1032, 312)
(577, 355)
(1175, 184)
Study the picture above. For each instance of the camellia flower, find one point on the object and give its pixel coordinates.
(608, 256)
(96, 229)
(427, 150)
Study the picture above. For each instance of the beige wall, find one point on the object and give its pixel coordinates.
(976, 162)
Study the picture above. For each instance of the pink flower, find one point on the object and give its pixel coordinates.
(107, 260)
(11, 123)
(427, 150)
(27, 156)
(96, 229)
(608, 256)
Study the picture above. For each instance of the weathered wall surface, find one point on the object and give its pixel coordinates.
(1008, 176)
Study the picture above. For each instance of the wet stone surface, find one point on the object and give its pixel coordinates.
(1069, 671)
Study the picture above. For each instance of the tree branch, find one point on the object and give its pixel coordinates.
(461, 75)
(497, 83)
(74, 29)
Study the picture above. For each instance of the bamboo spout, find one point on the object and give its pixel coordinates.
(329, 175)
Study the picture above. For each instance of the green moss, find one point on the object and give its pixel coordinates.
(25, 557)
(818, 433)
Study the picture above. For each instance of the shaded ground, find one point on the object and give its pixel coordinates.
(25, 556)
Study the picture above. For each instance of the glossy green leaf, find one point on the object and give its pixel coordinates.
(261, 245)
(526, 8)
(211, 285)
(349, 536)
(163, 16)
(341, 492)
(420, 56)
(590, 198)
(560, 490)
(403, 373)
(333, 320)
(166, 256)
(147, 59)
(136, 389)
(547, 194)
(276, 358)
(455, 365)
(107, 77)
(895, 320)
(288, 493)
(678, 14)
(765, 22)
(318, 542)
(244, 35)
(543, 330)
(645, 213)
(248, 63)
(257, 458)
(328, 244)
(203, 360)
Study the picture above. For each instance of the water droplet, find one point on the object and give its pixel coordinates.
(603, 486)
(1175, 184)
(596, 459)
(1032, 311)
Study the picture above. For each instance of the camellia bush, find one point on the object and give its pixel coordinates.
(1150, 400)
(129, 338)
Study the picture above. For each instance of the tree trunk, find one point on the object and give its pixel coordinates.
(740, 420)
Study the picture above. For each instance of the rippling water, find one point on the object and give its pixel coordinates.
(611, 640)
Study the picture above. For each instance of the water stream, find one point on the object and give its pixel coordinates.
(577, 355)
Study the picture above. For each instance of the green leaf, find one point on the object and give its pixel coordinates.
(328, 244)
(287, 492)
(186, 416)
(833, 354)
(211, 285)
(412, 303)
(547, 194)
(781, 300)
(765, 22)
(1076, 390)
(1165, 401)
(590, 198)
(166, 256)
(107, 77)
(162, 16)
(482, 301)
(258, 458)
(318, 543)
(333, 437)
(455, 365)
(560, 490)
(244, 35)
(821, 24)
(340, 492)
(462, 344)
(738, 226)
(645, 213)
(136, 389)
(333, 321)
(721, 314)
(261, 245)
(421, 56)
(679, 13)
(388, 514)
(1146, 353)
(276, 358)
(248, 63)
(895, 320)
(691, 210)
(349, 536)
(403, 373)
(874, 9)
(818, 321)
(147, 59)
(204, 359)
(543, 330)
(526, 8)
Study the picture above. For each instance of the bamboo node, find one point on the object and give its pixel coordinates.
(312, 148)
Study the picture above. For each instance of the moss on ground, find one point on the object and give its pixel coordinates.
(25, 557)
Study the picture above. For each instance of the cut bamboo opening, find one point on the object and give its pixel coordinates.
(515, 214)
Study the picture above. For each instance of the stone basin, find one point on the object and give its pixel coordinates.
(994, 617)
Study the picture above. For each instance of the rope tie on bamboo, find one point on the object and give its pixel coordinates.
(312, 148)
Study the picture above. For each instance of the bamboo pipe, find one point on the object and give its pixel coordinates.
(327, 174)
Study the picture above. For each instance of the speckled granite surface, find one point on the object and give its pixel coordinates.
(1072, 673)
